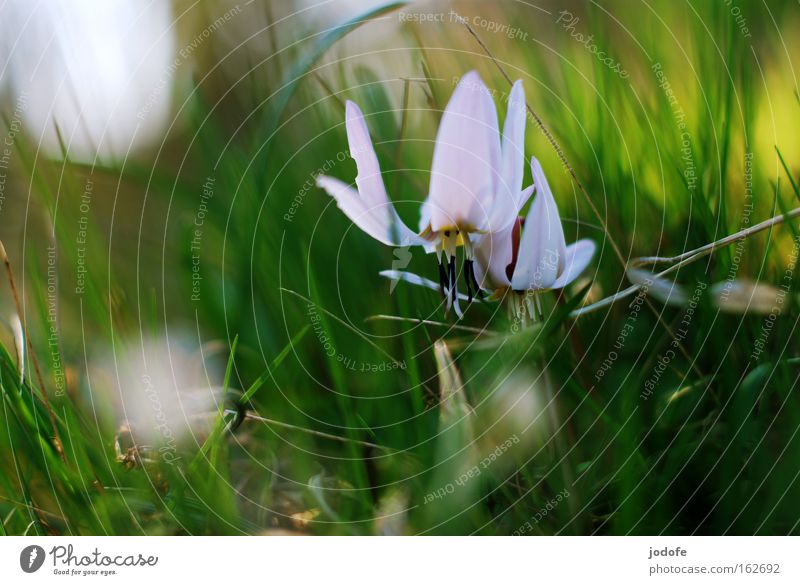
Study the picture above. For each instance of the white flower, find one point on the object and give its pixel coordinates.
(527, 257)
(475, 181)
(161, 390)
(99, 71)
(538, 259)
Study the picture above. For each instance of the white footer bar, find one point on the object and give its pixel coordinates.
(355, 560)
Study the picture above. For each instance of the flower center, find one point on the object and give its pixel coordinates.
(446, 254)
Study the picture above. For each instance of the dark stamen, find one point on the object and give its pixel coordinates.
(468, 277)
(453, 292)
(478, 290)
(443, 277)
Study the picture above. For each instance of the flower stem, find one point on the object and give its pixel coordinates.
(684, 259)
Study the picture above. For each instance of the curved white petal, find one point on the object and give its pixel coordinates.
(379, 221)
(424, 224)
(424, 215)
(506, 204)
(369, 207)
(466, 158)
(512, 167)
(502, 213)
(493, 252)
(354, 208)
(576, 258)
(524, 195)
(369, 179)
(542, 247)
(505, 210)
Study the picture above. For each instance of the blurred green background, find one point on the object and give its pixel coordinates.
(176, 254)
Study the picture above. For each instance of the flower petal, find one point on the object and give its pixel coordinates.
(493, 252)
(466, 158)
(512, 166)
(369, 179)
(369, 207)
(424, 215)
(576, 258)
(412, 278)
(348, 200)
(523, 197)
(502, 213)
(542, 247)
(505, 207)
